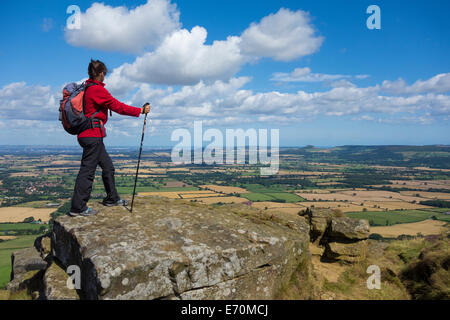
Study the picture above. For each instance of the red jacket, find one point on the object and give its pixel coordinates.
(97, 98)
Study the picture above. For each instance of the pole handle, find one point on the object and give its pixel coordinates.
(145, 105)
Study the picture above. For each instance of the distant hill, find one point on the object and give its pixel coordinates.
(436, 156)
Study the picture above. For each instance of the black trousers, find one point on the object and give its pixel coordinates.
(94, 153)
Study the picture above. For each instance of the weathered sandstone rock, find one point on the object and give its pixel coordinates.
(55, 284)
(347, 252)
(169, 249)
(27, 269)
(26, 260)
(319, 220)
(343, 237)
(351, 229)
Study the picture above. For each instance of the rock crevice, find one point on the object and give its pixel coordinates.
(344, 239)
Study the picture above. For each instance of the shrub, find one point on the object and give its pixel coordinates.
(426, 277)
(376, 236)
(28, 220)
(436, 203)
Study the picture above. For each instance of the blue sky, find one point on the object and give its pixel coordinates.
(322, 77)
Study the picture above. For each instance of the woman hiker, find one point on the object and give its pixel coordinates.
(97, 103)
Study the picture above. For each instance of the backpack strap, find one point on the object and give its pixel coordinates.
(86, 87)
(95, 123)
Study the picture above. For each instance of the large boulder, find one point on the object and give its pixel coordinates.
(346, 252)
(27, 270)
(171, 249)
(344, 238)
(26, 260)
(349, 229)
(319, 220)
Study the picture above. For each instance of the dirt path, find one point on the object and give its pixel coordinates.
(328, 270)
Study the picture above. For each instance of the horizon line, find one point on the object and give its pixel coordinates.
(287, 146)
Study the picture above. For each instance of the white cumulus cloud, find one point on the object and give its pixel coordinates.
(173, 56)
(184, 58)
(119, 29)
(215, 102)
(439, 83)
(283, 36)
(228, 103)
(23, 102)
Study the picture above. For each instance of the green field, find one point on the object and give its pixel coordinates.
(256, 197)
(19, 226)
(259, 192)
(289, 197)
(6, 248)
(257, 188)
(272, 196)
(383, 218)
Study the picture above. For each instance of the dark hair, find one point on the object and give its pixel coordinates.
(95, 68)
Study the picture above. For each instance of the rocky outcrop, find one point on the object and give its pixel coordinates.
(27, 271)
(171, 249)
(319, 221)
(347, 239)
(346, 228)
(346, 251)
(344, 239)
(25, 260)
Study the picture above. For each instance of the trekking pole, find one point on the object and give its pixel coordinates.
(139, 160)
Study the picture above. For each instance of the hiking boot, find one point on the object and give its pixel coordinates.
(86, 213)
(121, 202)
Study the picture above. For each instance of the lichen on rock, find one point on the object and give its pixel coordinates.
(171, 249)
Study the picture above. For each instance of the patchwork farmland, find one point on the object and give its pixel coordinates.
(398, 197)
